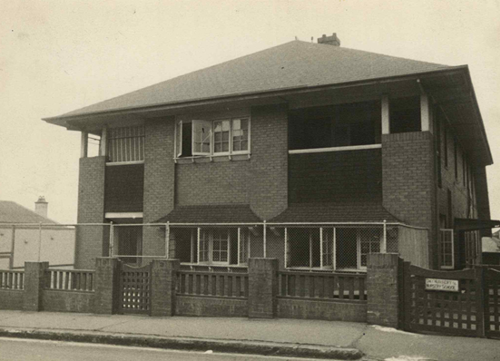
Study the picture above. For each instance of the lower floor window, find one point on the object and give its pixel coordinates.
(472, 247)
(331, 248)
(219, 246)
(446, 251)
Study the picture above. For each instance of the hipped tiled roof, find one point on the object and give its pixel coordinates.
(211, 214)
(295, 64)
(335, 212)
(11, 212)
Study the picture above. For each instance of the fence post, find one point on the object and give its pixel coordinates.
(163, 285)
(12, 248)
(35, 280)
(481, 288)
(264, 239)
(107, 283)
(262, 287)
(39, 240)
(167, 240)
(383, 289)
(111, 239)
(383, 246)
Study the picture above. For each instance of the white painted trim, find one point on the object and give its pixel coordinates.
(424, 113)
(386, 121)
(111, 164)
(123, 215)
(84, 145)
(335, 149)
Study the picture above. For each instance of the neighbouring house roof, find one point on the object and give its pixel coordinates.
(240, 213)
(11, 212)
(291, 65)
(335, 212)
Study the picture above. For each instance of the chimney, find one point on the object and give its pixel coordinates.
(329, 40)
(41, 206)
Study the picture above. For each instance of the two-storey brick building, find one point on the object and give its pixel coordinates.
(314, 139)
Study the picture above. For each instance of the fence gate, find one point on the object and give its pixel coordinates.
(447, 302)
(492, 301)
(135, 289)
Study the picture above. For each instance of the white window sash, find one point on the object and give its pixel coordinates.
(201, 124)
(321, 250)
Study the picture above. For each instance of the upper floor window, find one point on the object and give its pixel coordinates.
(338, 126)
(207, 138)
(126, 144)
(405, 115)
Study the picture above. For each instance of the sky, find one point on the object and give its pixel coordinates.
(61, 55)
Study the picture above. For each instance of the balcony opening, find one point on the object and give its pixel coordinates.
(405, 115)
(343, 125)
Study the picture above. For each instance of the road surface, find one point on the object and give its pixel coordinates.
(13, 349)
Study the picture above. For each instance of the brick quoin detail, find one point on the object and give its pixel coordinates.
(269, 164)
(91, 241)
(159, 175)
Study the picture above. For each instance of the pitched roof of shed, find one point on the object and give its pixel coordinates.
(240, 213)
(295, 64)
(11, 212)
(335, 212)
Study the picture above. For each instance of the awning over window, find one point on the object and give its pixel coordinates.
(240, 213)
(335, 212)
(465, 224)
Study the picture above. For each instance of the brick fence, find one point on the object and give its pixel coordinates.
(262, 291)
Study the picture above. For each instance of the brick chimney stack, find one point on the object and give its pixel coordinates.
(41, 207)
(329, 40)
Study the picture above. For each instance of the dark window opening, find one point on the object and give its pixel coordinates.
(347, 248)
(336, 126)
(445, 143)
(186, 139)
(233, 238)
(304, 247)
(184, 244)
(455, 156)
(405, 115)
(437, 122)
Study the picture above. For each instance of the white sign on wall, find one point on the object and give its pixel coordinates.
(436, 284)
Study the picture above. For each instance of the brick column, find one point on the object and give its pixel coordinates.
(35, 280)
(163, 282)
(262, 287)
(107, 272)
(383, 289)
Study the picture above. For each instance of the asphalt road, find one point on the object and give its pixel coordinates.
(12, 349)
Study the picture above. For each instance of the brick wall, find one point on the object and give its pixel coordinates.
(409, 181)
(339, 176)
(159, 176)
(124, 189)
(90, 241)
(269, 164)
(224, 182)
(408, 176)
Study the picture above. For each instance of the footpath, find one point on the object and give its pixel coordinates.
(276, 337)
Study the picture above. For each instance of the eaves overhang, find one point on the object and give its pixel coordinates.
(450, 88)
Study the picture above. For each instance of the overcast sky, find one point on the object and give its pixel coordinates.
(61, 55)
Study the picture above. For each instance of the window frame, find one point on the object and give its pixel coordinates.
(208, 237)
(442, 263)
(333, 247)
(210, 124)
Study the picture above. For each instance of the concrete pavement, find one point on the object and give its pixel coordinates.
(306, 338)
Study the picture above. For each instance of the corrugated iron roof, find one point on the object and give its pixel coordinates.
(335, 212)
(295, 64)
(238, 213)
(11, 212)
